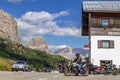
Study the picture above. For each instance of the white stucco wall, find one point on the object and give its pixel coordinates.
(105, 54)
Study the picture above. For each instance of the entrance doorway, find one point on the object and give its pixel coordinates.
(104, 62)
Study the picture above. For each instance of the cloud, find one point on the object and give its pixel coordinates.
(60, 46)
(54, 48)
(33, 24)
(66, 31)
(62, 13)
(15, 1)
(35, 16)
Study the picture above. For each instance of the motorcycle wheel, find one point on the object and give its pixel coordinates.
(114, 72)
(76, 73)
(85, 71)
(105, 72)
(67, 72)
(95, 72)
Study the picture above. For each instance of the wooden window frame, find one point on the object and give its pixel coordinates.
(100, 44)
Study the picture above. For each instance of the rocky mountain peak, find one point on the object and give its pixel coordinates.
(8, 27)
(69, 52)
(38, 43)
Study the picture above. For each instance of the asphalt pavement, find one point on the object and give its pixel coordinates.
(52, 76)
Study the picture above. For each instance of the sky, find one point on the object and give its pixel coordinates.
(59, 22)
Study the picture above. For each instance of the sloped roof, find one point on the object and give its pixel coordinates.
(101, 6)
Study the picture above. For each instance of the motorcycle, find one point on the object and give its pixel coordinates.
(115, 70)
(98, 70)
(119, 69)
(107, 69)
(73, 69)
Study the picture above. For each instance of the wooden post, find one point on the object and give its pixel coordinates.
(89, 26)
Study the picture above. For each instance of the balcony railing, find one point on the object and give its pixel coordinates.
(105, 26)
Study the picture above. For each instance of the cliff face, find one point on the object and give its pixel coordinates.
(38, 43)
(8, 27)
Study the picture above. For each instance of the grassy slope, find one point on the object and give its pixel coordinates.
(11, 52)
(4, 65)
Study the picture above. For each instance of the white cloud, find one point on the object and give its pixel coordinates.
(15, 1)
(34, 16)
(33, 24)
(54, 48)
(66, 31)
(62, 13)
(60, 46)
(44, 31)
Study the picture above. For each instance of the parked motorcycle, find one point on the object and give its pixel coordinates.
(98, 70)
(119, 69)
(73, 69)
(115, 70)
(107, 69)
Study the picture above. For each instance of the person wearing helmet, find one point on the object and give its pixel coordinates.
(78, 60)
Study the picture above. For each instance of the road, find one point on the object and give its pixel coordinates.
(52, 76)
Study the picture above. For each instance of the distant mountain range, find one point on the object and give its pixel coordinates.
(69, 52)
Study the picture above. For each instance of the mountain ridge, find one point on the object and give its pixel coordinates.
(69, 52)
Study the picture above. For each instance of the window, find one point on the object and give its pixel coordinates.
(106, 44)
(104, 62)
(105, 22)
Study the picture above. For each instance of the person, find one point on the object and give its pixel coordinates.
(78, 60)
(66, 64)
(87, 60)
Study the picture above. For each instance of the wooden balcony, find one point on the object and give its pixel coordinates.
(111, 30)
(105, 26)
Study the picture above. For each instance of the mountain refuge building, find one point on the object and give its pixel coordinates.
(101, 22)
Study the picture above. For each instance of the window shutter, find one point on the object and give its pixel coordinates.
(111, 44)
(100, 44)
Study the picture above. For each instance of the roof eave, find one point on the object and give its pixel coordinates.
(102, 11)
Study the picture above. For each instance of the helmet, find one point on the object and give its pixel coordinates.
(77, 54)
